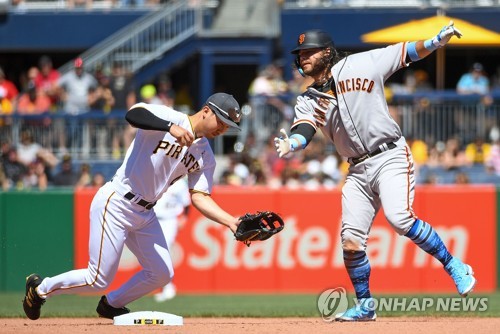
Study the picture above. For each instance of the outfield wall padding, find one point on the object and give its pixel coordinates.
(47, 232)
(37, 235)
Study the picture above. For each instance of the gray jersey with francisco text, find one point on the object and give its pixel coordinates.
(359, 120)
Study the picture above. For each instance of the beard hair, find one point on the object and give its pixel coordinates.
(319, 68)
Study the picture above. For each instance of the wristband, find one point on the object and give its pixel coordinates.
(430, 44)
(297, 142)
(412, 51)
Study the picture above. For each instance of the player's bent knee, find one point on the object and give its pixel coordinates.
(97, 281)
(351, 243)
(100, 285)
(162, 278)
(353, 240)
(401, 222)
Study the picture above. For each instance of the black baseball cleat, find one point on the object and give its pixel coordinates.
(32, 302)
(107, 311)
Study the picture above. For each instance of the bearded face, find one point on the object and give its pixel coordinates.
(315, 61)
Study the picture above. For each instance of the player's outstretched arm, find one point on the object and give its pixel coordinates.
(210, 209)
(421, 49)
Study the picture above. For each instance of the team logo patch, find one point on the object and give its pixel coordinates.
(236, 115)
(302, 37)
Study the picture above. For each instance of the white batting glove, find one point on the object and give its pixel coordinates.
(444, 36)
(282, 144)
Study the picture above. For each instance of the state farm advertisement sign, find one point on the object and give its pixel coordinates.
(307, 255)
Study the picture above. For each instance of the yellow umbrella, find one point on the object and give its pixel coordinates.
(473, 35)
(429, 27)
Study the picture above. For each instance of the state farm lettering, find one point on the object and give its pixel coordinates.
(309, 247)
(306, 257)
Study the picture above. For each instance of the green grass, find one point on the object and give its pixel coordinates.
(223, 306)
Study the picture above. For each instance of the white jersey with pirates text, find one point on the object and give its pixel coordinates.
(157, 153)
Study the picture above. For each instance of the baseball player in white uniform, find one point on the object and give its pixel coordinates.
(347, 103)
(172, 209)
(168, 145)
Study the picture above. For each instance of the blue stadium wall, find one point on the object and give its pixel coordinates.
(63, 31)
(64, 34)
(60, 31)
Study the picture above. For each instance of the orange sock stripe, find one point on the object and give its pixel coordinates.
(103, 224)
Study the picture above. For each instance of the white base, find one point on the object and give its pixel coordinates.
(148, 318)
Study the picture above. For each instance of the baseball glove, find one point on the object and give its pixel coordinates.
(258, 226)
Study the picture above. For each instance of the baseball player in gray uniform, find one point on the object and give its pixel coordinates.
(168, 145)
(347, 103)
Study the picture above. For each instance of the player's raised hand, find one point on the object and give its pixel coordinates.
(183, 136)
(282, 144)
(444, 36)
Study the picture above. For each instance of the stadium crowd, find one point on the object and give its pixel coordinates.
(88, 4)
(44, 160)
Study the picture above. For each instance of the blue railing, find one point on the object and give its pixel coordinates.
(434, 118)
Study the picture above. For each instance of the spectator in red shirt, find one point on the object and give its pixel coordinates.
(8, 93)
(35, 102)
(46, 79)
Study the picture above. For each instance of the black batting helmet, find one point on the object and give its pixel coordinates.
(313, 39)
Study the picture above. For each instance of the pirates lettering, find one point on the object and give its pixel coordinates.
(177, 151)
(174, 151)
(171, 150)
(194, 167)
(162, 145)
(189, 160)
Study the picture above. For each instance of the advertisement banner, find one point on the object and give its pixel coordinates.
(306, 257)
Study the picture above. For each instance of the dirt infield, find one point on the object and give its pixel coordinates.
(258, 325)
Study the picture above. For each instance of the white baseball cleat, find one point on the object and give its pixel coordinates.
(168, 292)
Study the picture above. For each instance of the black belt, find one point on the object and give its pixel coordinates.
(141, 202)
(362, 158)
